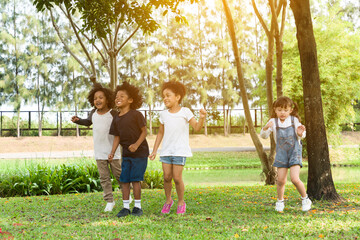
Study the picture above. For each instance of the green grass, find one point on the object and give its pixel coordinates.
(200, 160)
(221, 212)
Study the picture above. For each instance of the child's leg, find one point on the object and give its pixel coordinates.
(179, 183)
(125, 191)
(168, 175)
(295, 179)
(105, 180)
(115, 165)
(136, 190)
(281, 181)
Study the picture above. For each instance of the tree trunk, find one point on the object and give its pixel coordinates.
(320, 182)
(225, 121)
(77, 125)
(268, 170)
(18, 123)
(150, 121)
(279, 77)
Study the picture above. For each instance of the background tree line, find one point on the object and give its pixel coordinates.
(43, 61)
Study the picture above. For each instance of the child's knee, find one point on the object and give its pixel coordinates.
(281, 182)
(167, 178)
(295, 180)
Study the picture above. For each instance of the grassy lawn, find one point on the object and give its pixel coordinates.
(221, 212)
(219, 206)
(200, 160)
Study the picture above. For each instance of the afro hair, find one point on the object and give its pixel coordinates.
(132, 92)
(176, 87)
(109, 94)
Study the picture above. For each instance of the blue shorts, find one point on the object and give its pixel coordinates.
(133, 169)
(177, 160)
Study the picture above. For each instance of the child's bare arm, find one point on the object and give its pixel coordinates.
(74, 119)
(134, 147)
(268, 125)
(114, 147)
(198, 125)
(300, 130)
(158, 140)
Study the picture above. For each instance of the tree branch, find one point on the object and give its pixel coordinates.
(274, 22)
(263, 24)
(65, 45)
(283, 19)
(93, 44)
(122, 45)
(82, 44)
(116, 32)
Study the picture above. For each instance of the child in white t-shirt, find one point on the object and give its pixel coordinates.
(101, 117)
(174, 129)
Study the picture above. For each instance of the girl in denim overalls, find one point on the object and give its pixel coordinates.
(288, 132)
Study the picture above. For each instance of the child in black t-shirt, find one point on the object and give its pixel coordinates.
(129, 129)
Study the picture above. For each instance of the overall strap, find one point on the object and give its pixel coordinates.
(293, 125)
(277, 123)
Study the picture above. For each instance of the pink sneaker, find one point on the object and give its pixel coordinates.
(166, 207)
(181, 209)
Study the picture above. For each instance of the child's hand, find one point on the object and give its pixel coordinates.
(268, 125)
(133, 147)
(75, 119)
(110, 157)
(202, 113)
(152, 156)
(300, 130)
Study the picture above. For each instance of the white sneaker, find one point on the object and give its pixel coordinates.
(279, 206)
(306, 204)
(109, 206)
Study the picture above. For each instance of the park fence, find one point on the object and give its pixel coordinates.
(58, 123)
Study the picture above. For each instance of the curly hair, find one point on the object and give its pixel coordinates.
(285, 102)
(132, 92)
(109, 94)
(176, 87)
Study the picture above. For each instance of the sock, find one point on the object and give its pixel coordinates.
(126, 204)
(280, 200)
(303, 198)
(138, 203)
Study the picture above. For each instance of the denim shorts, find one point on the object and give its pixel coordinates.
(177, 160)
(133, 169)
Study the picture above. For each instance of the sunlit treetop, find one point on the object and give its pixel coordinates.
(99, 16)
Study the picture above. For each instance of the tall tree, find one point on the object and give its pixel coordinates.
(338, 58)
(103, 25)
(320, 183)
(15, 59)
(266, 165)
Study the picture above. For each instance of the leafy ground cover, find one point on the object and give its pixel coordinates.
(213, 212)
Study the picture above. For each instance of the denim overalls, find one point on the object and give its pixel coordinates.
(288, 149)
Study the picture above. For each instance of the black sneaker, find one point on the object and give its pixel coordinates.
(137, 211)
(124, 212)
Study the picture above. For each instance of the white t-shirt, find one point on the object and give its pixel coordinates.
(285, 124)
(176, 133)
(103, 141)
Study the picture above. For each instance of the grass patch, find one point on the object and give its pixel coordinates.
(245, 212)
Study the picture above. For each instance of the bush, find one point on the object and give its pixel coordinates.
(63, 179)
(44, 180)
(154, 179)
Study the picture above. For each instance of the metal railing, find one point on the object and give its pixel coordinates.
(62, 126)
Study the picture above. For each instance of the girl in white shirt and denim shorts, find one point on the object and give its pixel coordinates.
(174, 129)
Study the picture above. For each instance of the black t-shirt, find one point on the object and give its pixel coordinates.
(128, 128)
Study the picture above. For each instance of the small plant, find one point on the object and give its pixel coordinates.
(154, 179)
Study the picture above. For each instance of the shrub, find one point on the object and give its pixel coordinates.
(62, 179)
(154, 179)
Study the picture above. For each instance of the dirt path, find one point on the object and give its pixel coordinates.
(46, 144)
